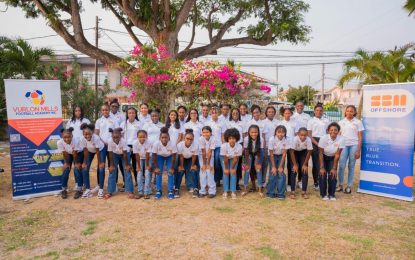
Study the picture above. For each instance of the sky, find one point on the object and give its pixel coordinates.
(338, 27)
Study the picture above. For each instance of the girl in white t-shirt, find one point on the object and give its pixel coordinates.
(277, 147)
(187, 151)
(91, 144)
(206, 157)
(254, 154)
(119, 152)
(301, 149)
(68, 147)
(141, 150)
(330, 147)
(230, 152)
(352, 130)
(164, 157)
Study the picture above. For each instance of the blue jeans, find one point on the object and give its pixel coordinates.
(327, 181)
(217, 164)
(230, 178)
(276, 184)
(164, 164)
(347, 153)
(259, 175)
(193, 180)
(101, 172)
(146, 175)
(112, 178)
(85, 172)
(77, 172)
(65, 174)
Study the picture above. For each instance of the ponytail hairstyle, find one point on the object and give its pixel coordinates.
(206, 127)
(115, 101)
(283, 128)
(255, 107)
(90, 127)
(302, 129)
(335, 125)
(319, 104)
(142, 131)
(117, 130)
(189, 132)
(257, 141)
(67, 131)
(354, 108)
(164, 130)
(283, 109)
(136, 113)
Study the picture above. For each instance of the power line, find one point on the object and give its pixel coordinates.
(51, 35)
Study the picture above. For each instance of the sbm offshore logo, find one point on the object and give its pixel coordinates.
(388, 102)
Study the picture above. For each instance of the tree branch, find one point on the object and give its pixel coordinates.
(230, 22)
(209, 22)
(183, 14)
(122, 21)
(166, 13)
(128, 8)
(194, 21)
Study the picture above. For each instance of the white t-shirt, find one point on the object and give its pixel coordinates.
(292, 127)
(165, 151)
(104, 124)
(187, 152)
(223, 119)
(153, 131)
(260, 123)
(141, 149)
(350, 129)
(174, 134)
(144, 119)
(231, 152)
(277, 146)
(93, 144)
(270, 128)
(331, 146)
(204, 120)
(239, 125)
(206, 144)
(130, 130)
(196, 127)
(302, 119)
(118, 117)
(218, 128)
(246, 118)
(64, 147)
(118, 148)
(318, 126)
(297, 145)
(76, 125)
(246, 141)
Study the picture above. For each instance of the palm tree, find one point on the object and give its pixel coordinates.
(409, 6)
(19, 59)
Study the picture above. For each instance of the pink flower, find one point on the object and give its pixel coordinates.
(265, 88)
(125, 82)
(211, 88)
(136, 51)
(132, 96)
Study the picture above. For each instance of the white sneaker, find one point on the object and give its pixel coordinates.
(100, 194)
(333, 198)
(288, 188)
(95, 189)
(225, 195)
(233, 195)
(191, 190)
(300, 185)
(76, 187)
(316, 188)
(87, 194)
(325, 198)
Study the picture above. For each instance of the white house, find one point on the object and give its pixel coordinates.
(349, 95)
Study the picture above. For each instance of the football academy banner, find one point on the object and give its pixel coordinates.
(34, 114)
(388, 140)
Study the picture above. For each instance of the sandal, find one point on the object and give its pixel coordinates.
(107, 196)
(132, 196)
(146, 196)
(340, 188)
(244, 193)
(305, 196)
(348, 190)
(292, 195)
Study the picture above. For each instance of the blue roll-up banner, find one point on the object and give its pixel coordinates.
(388, 140)
(34, 114)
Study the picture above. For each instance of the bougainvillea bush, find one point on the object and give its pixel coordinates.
(154, 77)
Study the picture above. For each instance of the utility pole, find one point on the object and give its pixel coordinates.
(96, 64)
(322, 83)
(276, 81)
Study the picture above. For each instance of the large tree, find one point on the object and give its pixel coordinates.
(258, 22)
(302, 93)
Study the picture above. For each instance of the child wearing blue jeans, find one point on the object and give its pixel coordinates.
(187, 151)
(277, 146)
(230, 152)
(67, 146)
(164, 157)
(254, 154)
(119, 152)
(142, 149)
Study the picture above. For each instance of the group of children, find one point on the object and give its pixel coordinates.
(220, 147)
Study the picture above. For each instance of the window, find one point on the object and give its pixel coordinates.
(90, 77)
